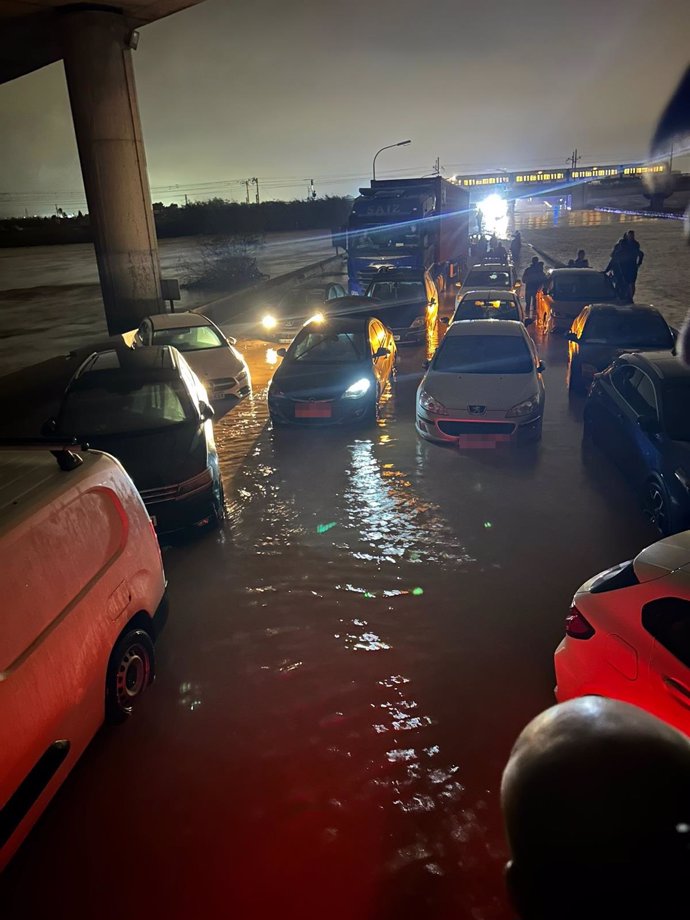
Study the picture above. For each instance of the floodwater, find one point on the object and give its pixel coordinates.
(344, 670)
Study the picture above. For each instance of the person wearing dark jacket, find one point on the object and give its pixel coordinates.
(531, 278)
(580, 262)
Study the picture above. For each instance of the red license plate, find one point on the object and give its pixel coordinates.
(481, 441)
(313, 410)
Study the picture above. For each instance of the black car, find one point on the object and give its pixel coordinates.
(637, 412)
(147, 408)
(334, 372)
(407, 302)
(603, 331)
(283, 316)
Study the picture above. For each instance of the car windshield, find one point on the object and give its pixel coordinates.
(483, 354)
(188, 338)
(675, 399)
(637, 329)
(398, 291)
(328, 348)
(471, 308)
(119, 407)
(387, 239)
(583, 287)
(487, 279)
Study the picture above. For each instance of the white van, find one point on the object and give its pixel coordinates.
(83, 589)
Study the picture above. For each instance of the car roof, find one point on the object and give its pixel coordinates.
(486, 327)
(573, 272)
(159, 361)
(491, 266)
(181, 320)
(399, 274)
(664, 364)
(488, 294)
(356, 323)
(622, 308)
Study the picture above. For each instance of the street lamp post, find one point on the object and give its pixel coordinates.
(387, 147)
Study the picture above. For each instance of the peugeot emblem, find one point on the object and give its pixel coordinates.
(477, 410)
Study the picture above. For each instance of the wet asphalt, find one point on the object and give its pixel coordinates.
(345, 667)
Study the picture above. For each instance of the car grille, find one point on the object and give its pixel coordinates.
(481, 428)
(159, 495)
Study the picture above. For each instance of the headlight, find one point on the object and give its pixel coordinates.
(427, 401)
(242, 374)
(683, 478)
(525, 407)
(358, 389)
(419, 321)
(269, 322)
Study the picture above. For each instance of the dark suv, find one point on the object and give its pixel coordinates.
(406, 302)
(147, 408)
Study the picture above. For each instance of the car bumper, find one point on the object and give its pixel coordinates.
(183, 511)
(334, 411)
(470, 432)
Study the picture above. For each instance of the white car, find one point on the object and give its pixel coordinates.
(628, 634)
(489, 304)
(484, 384)
(211, 355)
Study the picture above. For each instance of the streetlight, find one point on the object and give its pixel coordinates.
(387, 147)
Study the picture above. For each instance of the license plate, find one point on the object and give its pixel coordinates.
(313, 410)
(481, 441)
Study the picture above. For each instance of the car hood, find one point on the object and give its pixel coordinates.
(158, 458)
(498, 392)
(212, 363)
(324, 381)
(603, 355)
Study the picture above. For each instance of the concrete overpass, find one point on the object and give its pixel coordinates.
(95, 41)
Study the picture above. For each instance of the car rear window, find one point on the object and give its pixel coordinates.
(586, 288)
(668, 620)
(487, 279)
(472, 308)
(483, 354)
(635, 329)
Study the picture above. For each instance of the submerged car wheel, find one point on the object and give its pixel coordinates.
(130, 671)
(219, 513)
(656, 507)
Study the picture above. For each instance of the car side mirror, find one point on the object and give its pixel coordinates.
(205, 411)
(541, 367)
(381, 352)
(649, 424)
(231, 339)
(445, 320)
(571, 337)
(281, 352)
(49, 427)
(529, 320)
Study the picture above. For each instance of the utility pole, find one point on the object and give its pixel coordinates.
(437, 167)
(312, 191)
(573, 159)
(186, 200)
(256, 184)
(246, 183)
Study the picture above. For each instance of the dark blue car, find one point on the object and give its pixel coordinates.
(638, 412)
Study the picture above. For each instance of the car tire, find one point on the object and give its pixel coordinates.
(131, 670)
(218, 514)
(656, 507)
(576, 382)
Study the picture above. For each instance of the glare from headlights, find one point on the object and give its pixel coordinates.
(269, 322)
(524, 408)
(358, 389)
(316, 318)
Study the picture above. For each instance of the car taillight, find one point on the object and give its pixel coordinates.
(576, 626)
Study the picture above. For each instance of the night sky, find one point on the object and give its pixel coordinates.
(290, 91)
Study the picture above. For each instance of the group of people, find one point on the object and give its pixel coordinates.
(624, 265)
(488, 250)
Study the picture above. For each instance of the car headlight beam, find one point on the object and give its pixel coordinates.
(269, 322)
(358, 389)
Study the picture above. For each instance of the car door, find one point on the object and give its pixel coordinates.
(618, 421)
(667, 620)
(377, 339)
(642, 451)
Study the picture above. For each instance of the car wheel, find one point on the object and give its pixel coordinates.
(576, 382)
(656, 507)
(130, 671)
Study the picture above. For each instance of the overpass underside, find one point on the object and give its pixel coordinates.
(95, 42)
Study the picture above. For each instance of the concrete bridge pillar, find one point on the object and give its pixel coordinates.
(100, 80)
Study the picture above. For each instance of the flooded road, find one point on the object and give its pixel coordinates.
(343, 673)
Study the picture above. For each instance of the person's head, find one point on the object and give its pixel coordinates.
(580, 253)
(535, 260)
(541, 265)
(596, 802)
(630, 234)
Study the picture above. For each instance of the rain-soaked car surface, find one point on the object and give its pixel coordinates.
(344, 670)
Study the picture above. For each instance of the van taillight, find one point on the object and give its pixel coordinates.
(576, 626)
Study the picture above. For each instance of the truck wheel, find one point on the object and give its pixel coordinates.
(131, 669)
